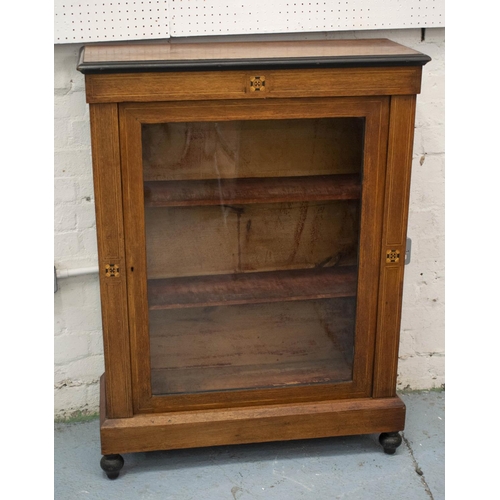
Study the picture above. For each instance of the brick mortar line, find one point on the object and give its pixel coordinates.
(425, 354)
(75, 383)
(418, 470)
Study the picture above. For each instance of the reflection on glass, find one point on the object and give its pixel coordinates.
(252, 234)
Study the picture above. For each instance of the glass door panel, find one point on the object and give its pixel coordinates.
(252, 244)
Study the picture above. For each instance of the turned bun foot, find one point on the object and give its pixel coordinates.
(111, 465)
(390, 441)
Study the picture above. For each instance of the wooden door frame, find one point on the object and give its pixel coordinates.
(375, 110)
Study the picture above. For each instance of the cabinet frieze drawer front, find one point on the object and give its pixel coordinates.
(144, 87)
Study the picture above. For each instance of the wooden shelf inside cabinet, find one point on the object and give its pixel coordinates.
(220, 378)
(252, 190)
(252, 288)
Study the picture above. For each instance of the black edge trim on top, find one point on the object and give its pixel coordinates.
(250, 64)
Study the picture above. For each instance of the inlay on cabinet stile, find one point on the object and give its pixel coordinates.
(251, 207)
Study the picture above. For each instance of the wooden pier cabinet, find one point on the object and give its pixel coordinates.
(251, 204)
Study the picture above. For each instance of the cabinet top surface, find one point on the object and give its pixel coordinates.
(168, 56)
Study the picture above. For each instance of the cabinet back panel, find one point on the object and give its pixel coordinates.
(252, 148)
(196, 241)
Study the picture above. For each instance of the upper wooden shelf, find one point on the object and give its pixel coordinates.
(252, 288)
(251, 190)
(175, 56)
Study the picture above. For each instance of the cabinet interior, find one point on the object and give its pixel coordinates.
(252, 244)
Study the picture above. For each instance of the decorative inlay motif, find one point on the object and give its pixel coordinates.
(258, 83)
(392, 256)
(112, 271)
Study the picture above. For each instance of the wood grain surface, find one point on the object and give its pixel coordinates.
(399, 159)
(252, 288)
(204, 240)
(285, 83)
(111, 248)
(251, 190)
(252, 346)
(252, 148)
(254, 424)
(280, 51)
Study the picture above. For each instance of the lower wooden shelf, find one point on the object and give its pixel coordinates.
(252, 288)
(253, 424)
(220, 378)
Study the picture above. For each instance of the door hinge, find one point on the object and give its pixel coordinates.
(408, 251)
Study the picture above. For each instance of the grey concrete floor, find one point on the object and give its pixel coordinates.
(347, 468)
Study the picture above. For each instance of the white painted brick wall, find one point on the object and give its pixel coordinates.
(421, 352)
(78, 334)
(78, 354)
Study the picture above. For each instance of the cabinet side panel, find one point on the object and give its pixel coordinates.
(400, 147)
(109, 222)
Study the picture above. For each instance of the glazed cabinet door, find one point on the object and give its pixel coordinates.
(252, 243)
